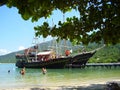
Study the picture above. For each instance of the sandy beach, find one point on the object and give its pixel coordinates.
(92, 86)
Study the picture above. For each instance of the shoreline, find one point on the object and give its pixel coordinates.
(73, 79)
(84, 86)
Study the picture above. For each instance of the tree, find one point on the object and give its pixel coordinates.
(99, 19)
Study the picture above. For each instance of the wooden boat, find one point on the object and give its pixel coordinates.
(45, 59)
(80, 60)
(32, 58)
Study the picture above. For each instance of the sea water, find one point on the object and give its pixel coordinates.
(56, 77)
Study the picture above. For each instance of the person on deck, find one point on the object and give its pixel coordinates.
(67, 52)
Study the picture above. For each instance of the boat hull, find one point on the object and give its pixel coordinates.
(80, 60)
(77, 61)
(52, 64)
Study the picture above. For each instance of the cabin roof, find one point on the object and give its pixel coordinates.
(44, 53)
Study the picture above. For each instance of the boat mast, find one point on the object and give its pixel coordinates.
(35, 43)
(64, 39)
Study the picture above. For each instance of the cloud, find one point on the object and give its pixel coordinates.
(4, 51)
(21, 48)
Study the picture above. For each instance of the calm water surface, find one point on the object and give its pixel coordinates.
(56, 77)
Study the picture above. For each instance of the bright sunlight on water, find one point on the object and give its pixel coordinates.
(56, 77)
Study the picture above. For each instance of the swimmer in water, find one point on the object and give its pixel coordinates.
(22, 72)
(44, 71)
(8, 71)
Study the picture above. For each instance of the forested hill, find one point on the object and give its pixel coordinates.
(105, 55)
(108, 54)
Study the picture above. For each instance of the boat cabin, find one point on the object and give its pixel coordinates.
(45, 55)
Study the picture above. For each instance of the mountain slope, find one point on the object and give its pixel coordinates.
(104, 55)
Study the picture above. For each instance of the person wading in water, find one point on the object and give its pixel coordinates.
(22, 72)
(44, 71)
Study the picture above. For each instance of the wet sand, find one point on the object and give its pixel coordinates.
(92, 86)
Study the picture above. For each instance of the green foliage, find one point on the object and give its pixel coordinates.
(99, 19)
(9, 58)
(108, 54)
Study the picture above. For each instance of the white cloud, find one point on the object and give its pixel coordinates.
(4, 51)
(21, 48)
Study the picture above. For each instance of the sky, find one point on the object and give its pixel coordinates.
(17, 34)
